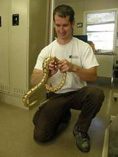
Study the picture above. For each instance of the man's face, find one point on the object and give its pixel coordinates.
(63, 27)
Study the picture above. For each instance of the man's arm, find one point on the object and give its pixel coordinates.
(36, 77)
(89, 75)
(37, 74)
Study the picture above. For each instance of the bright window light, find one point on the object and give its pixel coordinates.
(100, 28)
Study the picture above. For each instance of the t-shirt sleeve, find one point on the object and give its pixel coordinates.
(42, 55)
(45, 52)
(89, 59)
(39, 61)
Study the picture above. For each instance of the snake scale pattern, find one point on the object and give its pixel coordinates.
(44, 81)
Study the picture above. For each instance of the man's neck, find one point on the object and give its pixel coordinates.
(62, 42)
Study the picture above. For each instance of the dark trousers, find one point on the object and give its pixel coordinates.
(49, 116)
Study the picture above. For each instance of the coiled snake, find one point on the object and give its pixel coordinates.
(44, 81)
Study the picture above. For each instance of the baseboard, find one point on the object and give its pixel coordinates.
(12, 100)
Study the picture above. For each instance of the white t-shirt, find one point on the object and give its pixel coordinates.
(76, 52)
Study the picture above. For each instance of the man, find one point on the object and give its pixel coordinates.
(77, 59)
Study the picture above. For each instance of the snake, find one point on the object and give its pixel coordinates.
(44, 81)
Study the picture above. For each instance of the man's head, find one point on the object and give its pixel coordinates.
(64, 11)
(64, 22)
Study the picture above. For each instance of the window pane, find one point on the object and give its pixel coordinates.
(102, 27)
(103, 45)
(94, 18)
(100, 36)
(102, 40)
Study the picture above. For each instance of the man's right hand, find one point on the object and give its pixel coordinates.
(53, 67)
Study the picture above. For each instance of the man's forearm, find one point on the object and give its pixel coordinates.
(36, 77)
(89, 75)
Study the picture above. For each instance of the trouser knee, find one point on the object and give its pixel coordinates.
(97, 98)
(97, 95)
(40, 136)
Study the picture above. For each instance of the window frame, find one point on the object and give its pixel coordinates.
(103, 11)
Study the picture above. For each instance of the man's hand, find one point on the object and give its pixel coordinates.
(53, 67)
(65, 66)
(89, 75)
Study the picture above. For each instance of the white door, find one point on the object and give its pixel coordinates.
(4, 46)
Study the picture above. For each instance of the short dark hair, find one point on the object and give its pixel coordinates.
(63, 11)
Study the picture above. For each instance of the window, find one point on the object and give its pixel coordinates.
(100, 28)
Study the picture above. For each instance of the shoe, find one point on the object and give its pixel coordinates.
(82, 140)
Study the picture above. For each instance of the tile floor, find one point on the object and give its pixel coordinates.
(16, 131)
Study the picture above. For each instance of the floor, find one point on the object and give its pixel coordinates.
(16, 131)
